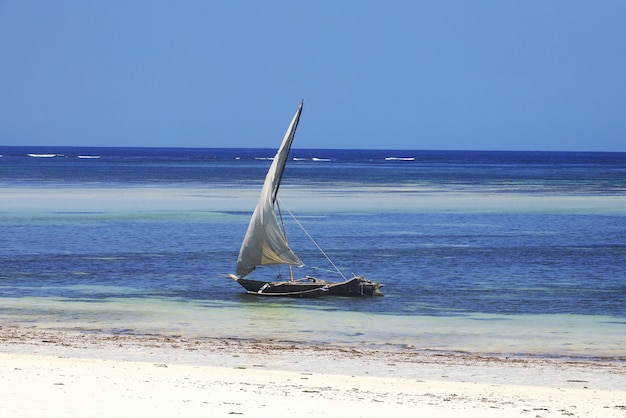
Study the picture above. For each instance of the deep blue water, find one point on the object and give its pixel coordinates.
(576, 172)
(437, 261)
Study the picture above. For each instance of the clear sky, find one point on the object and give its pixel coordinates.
(415, 74)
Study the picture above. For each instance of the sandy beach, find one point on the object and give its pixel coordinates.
(68, 373)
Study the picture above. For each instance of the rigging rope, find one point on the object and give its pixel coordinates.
(313, 240)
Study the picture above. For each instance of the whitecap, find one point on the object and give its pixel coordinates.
(400, 159)
(42, 155)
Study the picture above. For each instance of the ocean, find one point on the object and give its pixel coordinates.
(513, 253)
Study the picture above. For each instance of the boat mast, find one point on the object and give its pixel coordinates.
(280, 178)
(265, 240)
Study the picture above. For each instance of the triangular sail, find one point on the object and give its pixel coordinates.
(264, 243)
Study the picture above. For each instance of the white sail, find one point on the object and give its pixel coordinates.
(265, 243)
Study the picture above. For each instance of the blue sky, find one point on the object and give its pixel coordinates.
(479, 75)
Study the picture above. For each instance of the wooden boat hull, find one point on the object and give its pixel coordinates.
(357, 286)
(354, 287)
(287, 289)
(312, 287)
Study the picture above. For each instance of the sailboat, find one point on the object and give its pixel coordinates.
(265, 243)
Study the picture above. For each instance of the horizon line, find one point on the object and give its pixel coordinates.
(306, 148)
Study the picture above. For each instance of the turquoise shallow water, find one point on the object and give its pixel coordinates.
(525, 265)
(555, 335)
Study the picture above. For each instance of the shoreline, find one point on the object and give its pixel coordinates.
(302, 356)
(155, 372)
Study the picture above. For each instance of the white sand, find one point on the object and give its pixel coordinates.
(71, 374)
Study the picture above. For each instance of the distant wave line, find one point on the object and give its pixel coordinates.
(33, 155)
(400, 159)
(316, 159)
(45, 155)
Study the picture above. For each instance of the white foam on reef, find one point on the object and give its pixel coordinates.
(44, 155)
(400, 159)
